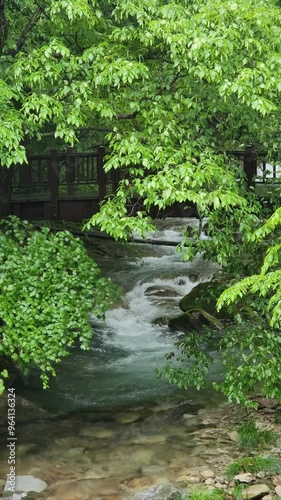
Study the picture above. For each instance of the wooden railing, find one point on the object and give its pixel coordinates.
(70, 185)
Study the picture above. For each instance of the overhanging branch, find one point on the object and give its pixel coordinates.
(27, 29)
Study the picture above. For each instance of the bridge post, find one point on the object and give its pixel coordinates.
(70, 170)
(250, 164)
(53, 175)
(101, 173)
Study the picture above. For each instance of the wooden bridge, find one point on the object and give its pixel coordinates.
(57, 185)
(70, 186)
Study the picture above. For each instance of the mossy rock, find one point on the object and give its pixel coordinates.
(185, 323)
(200, 297)
(160, 321)
(194, 321)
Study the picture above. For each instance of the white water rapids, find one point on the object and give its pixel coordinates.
(128, 347)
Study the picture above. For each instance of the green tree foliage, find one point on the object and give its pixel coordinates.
(49, 286)
(174, 86)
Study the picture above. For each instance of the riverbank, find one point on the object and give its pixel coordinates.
(136, 452)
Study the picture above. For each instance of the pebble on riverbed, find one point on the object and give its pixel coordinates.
(127, 418)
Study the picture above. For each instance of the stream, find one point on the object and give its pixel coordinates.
(107, 427)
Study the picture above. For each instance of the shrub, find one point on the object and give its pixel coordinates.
(48, 287)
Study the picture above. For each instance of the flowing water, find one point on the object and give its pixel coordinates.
(108, 427)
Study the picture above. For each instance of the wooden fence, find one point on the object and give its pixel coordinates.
(71, 185)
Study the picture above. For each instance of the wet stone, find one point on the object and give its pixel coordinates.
(278, 490)
(245, 478)
(207, 473)
(234, 436)
(209, 421)
(87, 489)
(163, 407)
(74, 452)
(137, 483)
(160, 291)
(28, 483)
(162, 492)
(154, 439)
(186, 480)
(210, 481)
(188, 416)
(97, 472)
(255, 491)
(127, 418)
(276, 480)
(150, 470)
(97, 433)
(221, 486)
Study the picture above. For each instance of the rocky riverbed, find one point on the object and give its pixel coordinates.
(136, 453)
(140, 452)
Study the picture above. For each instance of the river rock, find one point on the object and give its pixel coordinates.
(185, 323)
(137, 483)
(164, 407)
(246, 477)
(74, 452)
(234, 436)
(28, 411)
(139, 455)
(154, 439)
(276, 480)
(163, 492)
(188, 416)
(186, 480)
(97, 433)
(151, 470)
(26, 484)
(196, 298)
(209, 421)
(210, 481)
(161, 320)
(160, 291)
(278, 490)
(207, 473)
(127, 417)
(97, 472)
(220, 486)
(255, 491)
(200, 298)
(266, 402)
(87, 489)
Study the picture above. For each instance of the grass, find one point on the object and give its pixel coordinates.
(269, 465)
(205, 494)
(238, 490)
(251, 437)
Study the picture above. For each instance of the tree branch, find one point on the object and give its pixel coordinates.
(3, 26)
(27, 29)
(80, 129)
